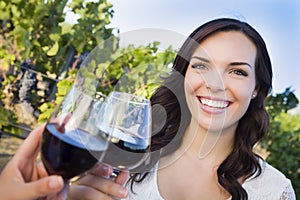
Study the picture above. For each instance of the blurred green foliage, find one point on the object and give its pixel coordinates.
(283, 140)
(37, 30)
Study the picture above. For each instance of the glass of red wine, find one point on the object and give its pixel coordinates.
(71, 142)
(128, 124)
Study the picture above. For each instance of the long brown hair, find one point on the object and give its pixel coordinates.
(242, 162)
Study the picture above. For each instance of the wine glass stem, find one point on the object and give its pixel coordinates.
(63, 194)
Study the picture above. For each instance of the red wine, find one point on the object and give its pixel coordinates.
(125, 151)
(71, 153)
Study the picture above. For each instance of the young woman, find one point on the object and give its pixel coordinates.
(213, 114)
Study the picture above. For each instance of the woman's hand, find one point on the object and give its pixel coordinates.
(97, 184)
(24, 178)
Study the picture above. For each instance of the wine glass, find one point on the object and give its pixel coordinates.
(128, 124)
(71, 143)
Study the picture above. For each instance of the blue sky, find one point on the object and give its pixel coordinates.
(276, 20)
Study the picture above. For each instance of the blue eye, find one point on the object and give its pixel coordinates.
(199, 66)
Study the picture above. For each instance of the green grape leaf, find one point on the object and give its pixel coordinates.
(54, 49)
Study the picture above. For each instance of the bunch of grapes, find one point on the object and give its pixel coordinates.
(28, 82)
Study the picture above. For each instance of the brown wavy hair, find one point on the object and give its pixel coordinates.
(242, 161)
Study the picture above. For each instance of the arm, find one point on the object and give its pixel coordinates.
(23, 177)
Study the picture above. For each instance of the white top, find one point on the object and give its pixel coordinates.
(271, 184)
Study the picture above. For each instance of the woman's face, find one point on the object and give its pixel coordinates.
(220, 80)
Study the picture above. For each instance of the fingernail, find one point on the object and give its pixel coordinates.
(56, 182)
(106, 170)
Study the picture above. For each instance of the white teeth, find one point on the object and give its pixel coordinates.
(215, 104)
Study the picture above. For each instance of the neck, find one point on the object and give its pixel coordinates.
(206, 145)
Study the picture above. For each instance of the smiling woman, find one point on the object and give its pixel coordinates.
(214, 100)
(221, 76)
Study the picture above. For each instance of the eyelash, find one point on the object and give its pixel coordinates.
(239, 72)
(200, 66)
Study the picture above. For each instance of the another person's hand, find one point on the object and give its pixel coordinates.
(23, 178)
(97, 184)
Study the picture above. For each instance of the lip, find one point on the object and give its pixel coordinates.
(213, 105)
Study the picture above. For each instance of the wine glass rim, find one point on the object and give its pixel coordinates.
(143, 101)
(88, 91)
(100, 94)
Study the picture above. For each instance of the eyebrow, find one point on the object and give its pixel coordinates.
(232, 63)
(240, 63)
(200, 58)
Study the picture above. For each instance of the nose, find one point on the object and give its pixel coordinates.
(215, 82)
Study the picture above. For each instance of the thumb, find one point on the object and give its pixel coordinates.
(43, 187)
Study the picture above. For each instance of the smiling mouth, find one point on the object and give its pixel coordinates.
(214, 103)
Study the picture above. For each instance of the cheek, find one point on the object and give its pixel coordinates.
(243, 92)
(192, 82)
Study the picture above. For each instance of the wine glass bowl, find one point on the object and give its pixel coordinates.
(71, 143)
(128, 124)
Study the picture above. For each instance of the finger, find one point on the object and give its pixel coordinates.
(101, 169)
(41, 170)
(43, 187)
(62, 121)
(103, 185)
(83, 192)
(30, 146)
(122, 177)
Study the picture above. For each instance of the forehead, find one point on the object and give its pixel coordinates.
(227, 46)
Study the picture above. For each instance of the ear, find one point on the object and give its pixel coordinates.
(254, 94)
